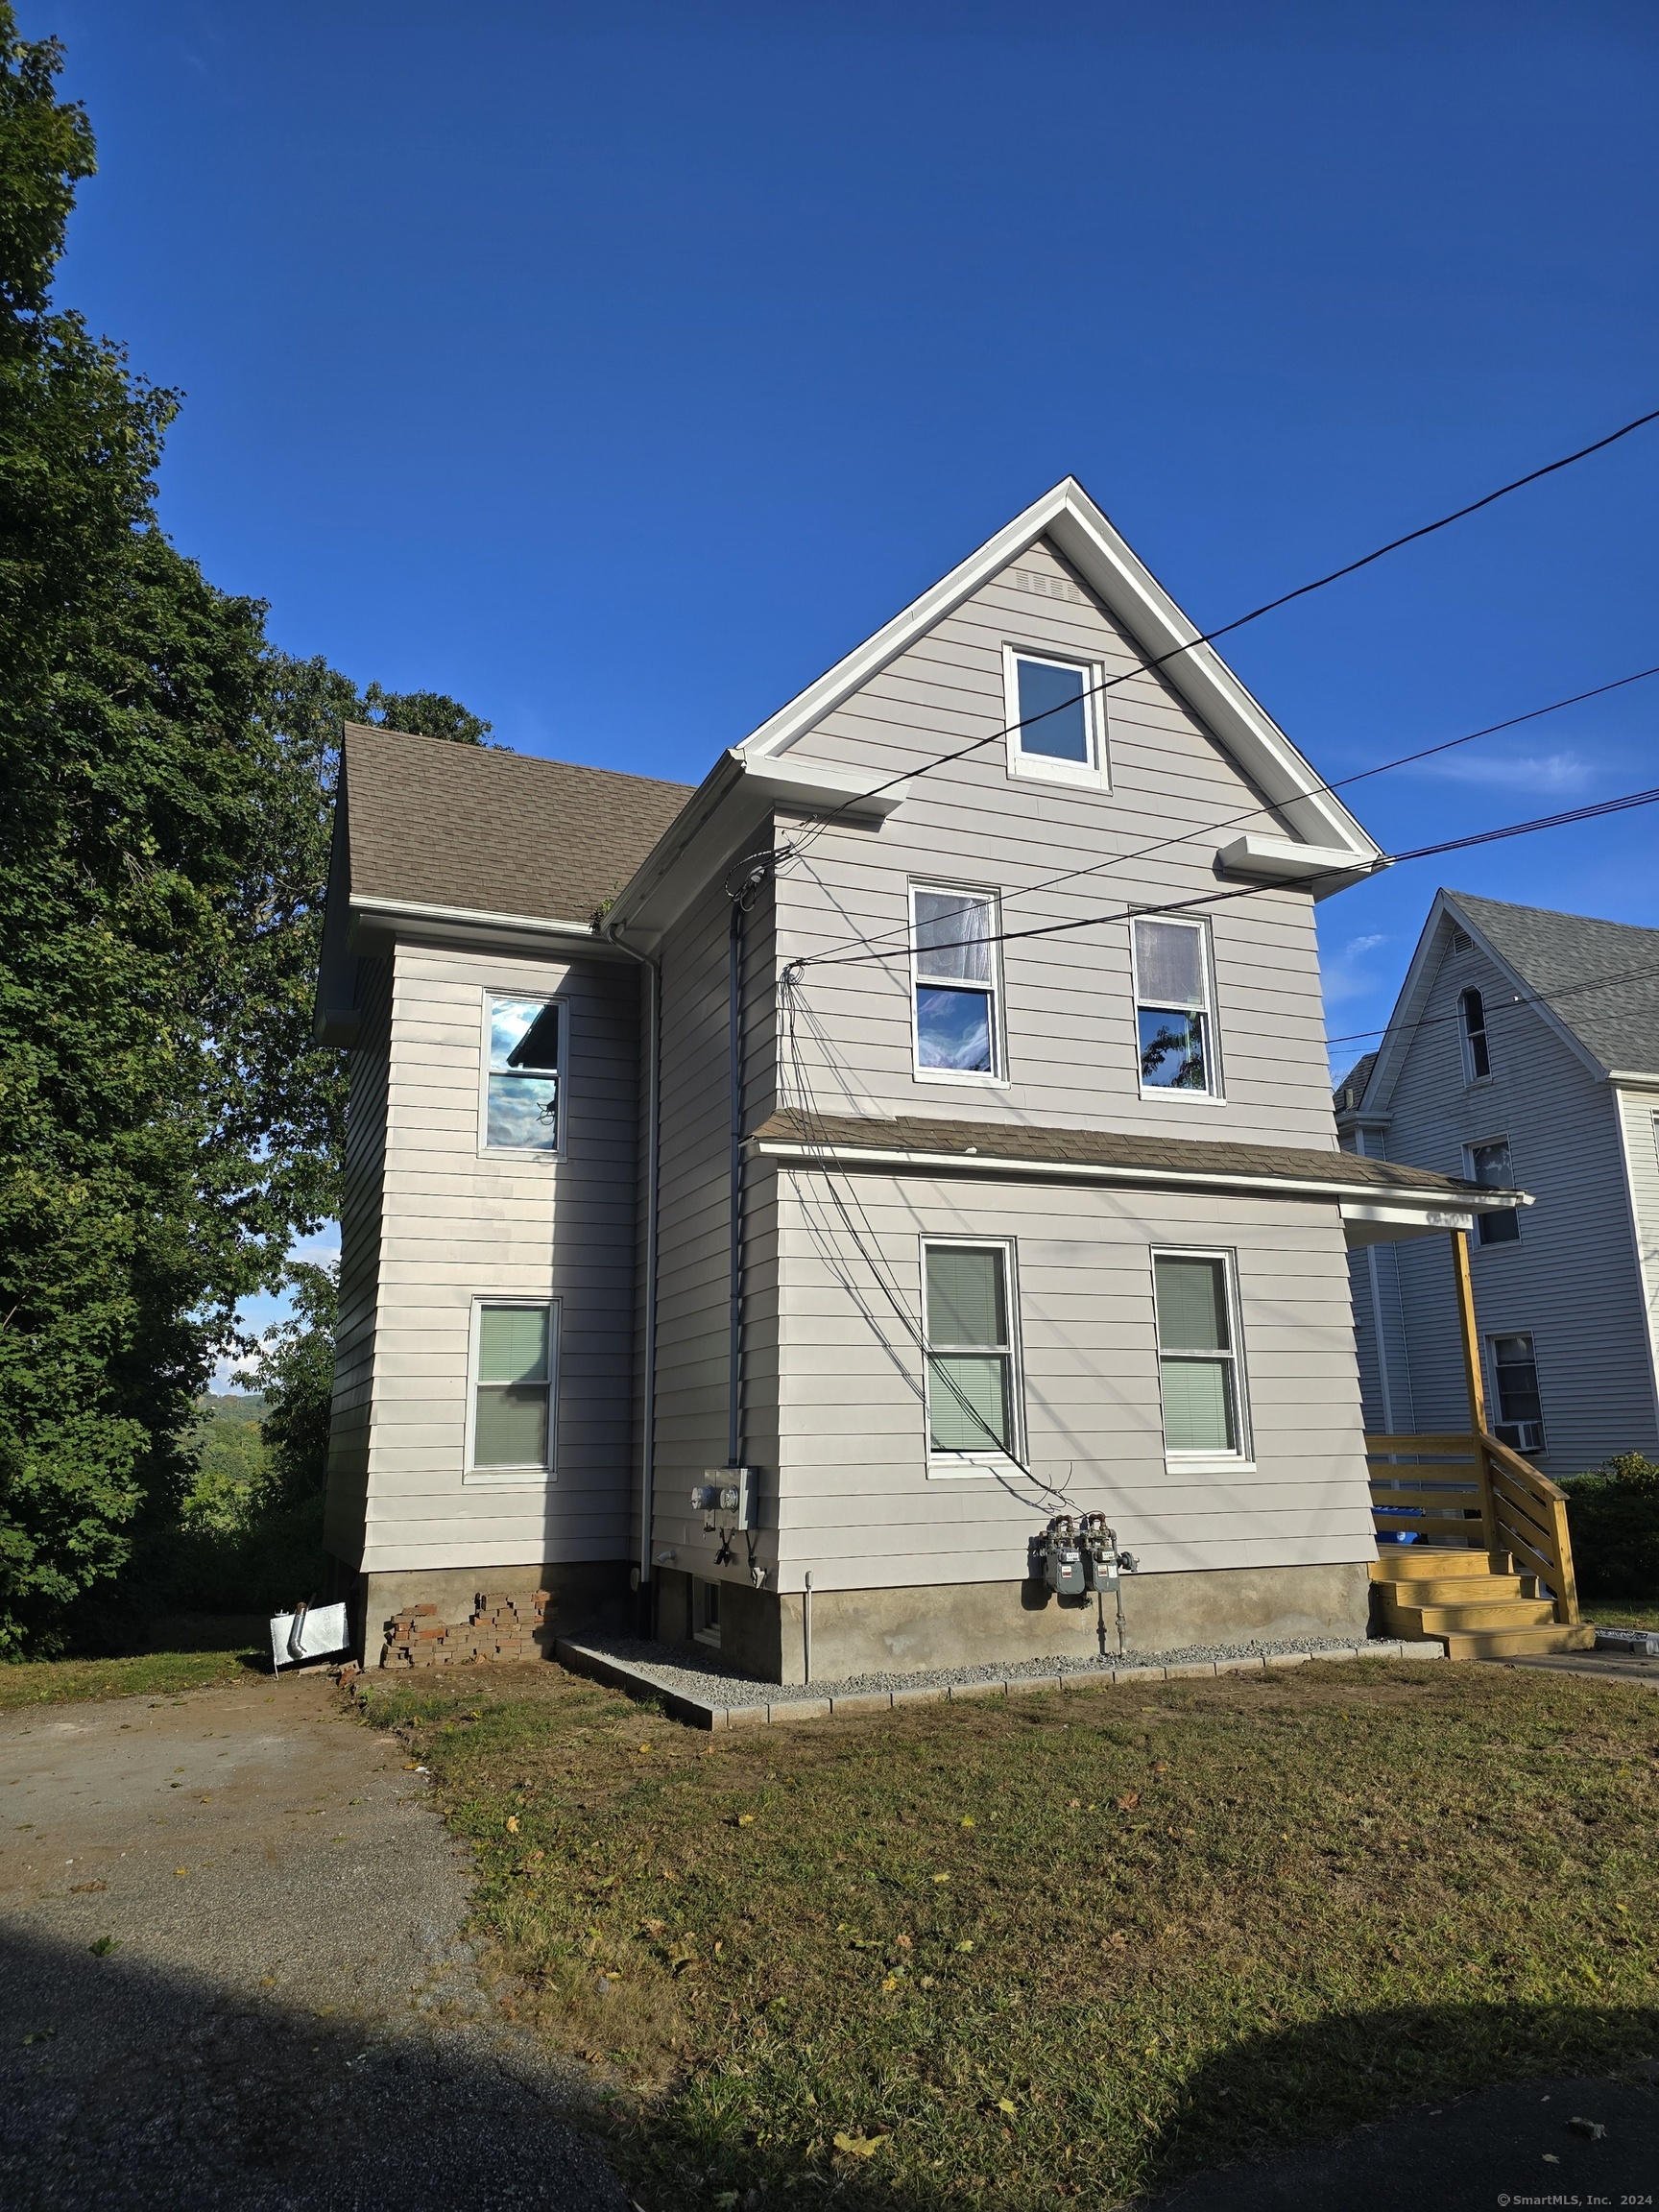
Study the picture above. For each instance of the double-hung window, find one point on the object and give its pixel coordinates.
(957, 1017)
(1057, 718)
(1489, 1164)
(523, 1080)
(1174, 1011)
(1520, 1422)
(1200, 1370)
(514, 1392)
(972, 1386)
(1477, 1052)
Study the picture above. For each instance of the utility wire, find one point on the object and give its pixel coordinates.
(1496, 1006)
(1592, 813)
(1252, 813)
(1238, 622)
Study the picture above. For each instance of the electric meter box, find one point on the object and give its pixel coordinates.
(730, 1491)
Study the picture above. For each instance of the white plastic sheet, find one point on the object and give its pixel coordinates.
(314, 1633)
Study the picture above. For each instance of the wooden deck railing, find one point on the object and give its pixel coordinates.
(1470, 1491)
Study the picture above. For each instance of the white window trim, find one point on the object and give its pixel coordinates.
(1477, 1242)
(1466, 1044)
(1243, 1460)
(1094, 776)
(1216, 1094)
(1495, 1408)
(989, 1464)
(997, 1079)
(514, 1477)
(486, 1150)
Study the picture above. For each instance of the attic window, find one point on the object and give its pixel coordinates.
(1476, 1057)
(1057, 718)
(521, 1105)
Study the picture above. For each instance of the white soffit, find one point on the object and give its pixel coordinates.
(1071, 521)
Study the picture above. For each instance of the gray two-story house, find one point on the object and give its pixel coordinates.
(1523, 1052)
(919, 1131)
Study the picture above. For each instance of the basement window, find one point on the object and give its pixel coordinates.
(1477, 1054)
(522, 1078)
(972, 1394)
(955, 970)
(705, 1612)
(515, 1391)
(1489, 1164)
(1520, 1422)
(1174, 1017)
(1198, 1366)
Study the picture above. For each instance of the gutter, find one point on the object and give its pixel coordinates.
(412, 910)
(1415, 1198)
(653, 1180)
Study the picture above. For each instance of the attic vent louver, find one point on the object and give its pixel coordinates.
(1049, 587)
(1462, 940)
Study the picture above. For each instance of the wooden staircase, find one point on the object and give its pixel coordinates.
(1471, 1601)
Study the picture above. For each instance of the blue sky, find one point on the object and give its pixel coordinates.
(617, 370)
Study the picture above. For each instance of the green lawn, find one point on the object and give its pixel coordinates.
(156, 1674)
(1621, 1612)
(1054, 1948)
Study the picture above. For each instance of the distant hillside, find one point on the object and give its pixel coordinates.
(231, 1406)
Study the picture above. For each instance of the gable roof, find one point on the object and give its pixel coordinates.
(472, 828)
(1595, 983)
(1081, 534)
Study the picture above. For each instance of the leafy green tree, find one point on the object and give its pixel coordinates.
(294, 1373)
(1613, 1519)
(424, 714)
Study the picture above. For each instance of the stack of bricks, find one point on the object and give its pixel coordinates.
(502, 1628)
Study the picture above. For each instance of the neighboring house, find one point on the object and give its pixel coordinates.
(1524, 1052)
(749, 1128)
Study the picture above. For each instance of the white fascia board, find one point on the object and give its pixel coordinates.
(1363, 1225)
(1133, 594)
(982, 1163)
(739, 792)
(1321, 868)
(413, 910)
(1632, 1079)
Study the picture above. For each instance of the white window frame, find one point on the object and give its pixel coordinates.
(1093, 774)
(514, 1477)
(1495, 1414)
(1466, 1043)
(969, 1466)
(1506, 1244)
(1242, 1461)
(550, 1153)
(975, 1078)
(1215, 1094)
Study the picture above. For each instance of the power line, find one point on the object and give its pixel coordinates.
(1503, 1005)
(1220, 897)
(1238, 622)
(1250, 813)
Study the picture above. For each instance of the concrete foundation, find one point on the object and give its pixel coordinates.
(980, 1624)
(586, 1596)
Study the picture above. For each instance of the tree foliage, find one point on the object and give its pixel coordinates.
(167, 1125)
(1613, 1519)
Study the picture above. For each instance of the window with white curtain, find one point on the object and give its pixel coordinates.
(1174, 1010)
(955, 982)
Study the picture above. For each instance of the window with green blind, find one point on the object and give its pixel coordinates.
(1198, 1354)
(971, 1380)
(513, 1412)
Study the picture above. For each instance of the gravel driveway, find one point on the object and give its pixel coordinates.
(231, 1974)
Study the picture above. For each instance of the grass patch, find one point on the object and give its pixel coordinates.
(153, 1674)
(1621, 1612)
(1056, 1948)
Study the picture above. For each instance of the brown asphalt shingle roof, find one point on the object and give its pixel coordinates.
(437, 824)
(1100, 1148)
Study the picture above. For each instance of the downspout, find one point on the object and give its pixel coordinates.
(653, 1178)
(735, 1319)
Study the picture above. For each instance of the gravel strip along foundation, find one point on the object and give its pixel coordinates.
(712, 1695)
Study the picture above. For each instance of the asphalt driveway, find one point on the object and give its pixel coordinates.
(231, 1974)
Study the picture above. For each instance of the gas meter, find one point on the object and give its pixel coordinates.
(1063, 1566)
